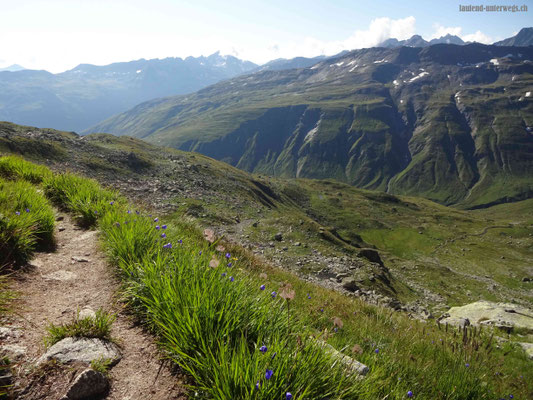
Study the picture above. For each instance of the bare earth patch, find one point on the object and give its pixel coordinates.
(52, 290)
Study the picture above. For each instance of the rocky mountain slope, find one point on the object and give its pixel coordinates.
(451, 123)
(522, 38)
(404, 252)
(79, 98)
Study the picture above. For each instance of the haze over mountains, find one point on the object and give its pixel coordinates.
(87, 94)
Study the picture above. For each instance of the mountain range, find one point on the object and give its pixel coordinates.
(450, 123)
(78, 98)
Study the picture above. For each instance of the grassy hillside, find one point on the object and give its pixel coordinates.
(432, 256)
(212, 316)
(449, 123)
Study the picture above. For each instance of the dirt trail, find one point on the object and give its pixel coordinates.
(76, 276)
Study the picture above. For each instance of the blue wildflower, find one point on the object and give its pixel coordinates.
(231, 278)
(137, 212)
(163, 235)
(262, 287)
(263, 349)
(308, 296)
(376, 351)
(96, 212)
(467, 365)
(228, 255)
(257, 385)
(200, 253)
(230, 264)
(163, 227)
(157, 227)
(156, 219)
(269, 374)
(111, 203)
(129, 211)
(274, 294)
(180, 241)
(288, 396)
(27, 210)
(17, 212)
(223, 274)
(321, 310)
(409, 394)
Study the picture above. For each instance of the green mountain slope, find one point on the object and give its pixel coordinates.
(451, 123)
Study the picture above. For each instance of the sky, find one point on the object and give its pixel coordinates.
(57, 35)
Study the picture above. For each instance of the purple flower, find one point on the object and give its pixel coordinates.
(321, 310)
(137, 212)
(180, 241)
(308, 296)
(257, 385)
(200, 253)
(228, 255)
(376, 351)
(117, 224)
(157, 227)
(129, 211)
(288, 396)
(156, 219)
(96, 212)
(163, 235)
(111, 203)
(467, 365)
(231, 278)
(262, 287)
(230, 264)
(17, 212)
(168, 246)
(274, 294)
(27, 210)
(126, 222)
(409, 394)
(511, 396)
(223, 274)
(269, 374)
(336, 329)
(263, 349)
(163, 227)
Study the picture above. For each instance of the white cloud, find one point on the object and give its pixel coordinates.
(478, 36)
(379, 30)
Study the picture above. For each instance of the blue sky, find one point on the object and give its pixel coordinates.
(57, 35)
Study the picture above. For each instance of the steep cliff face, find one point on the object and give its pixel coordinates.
(450, 123)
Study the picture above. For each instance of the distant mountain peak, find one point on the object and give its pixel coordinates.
(523, 38)
(13, 68)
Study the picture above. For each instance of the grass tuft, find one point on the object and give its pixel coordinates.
(98, 326)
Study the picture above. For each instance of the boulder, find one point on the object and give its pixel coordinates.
(501, 315)
(13, 351)
(81, 350)
(352, 366)
(87, 385)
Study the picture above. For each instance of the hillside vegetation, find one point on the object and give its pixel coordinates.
(207, 305)
(453, 124)
(429, 257)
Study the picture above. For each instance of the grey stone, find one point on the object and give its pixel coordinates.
(352, 366)
(82, 350)
(79, 259)
(60, 275)
(86, 313)
(13, 351)
(528, 348)
(88, 384)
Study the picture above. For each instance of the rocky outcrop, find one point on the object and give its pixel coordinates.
(505, 316)
(87, 385)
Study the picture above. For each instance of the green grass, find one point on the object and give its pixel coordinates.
(26, 222)
(98, 326)
(14, 167)
(82, 197)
